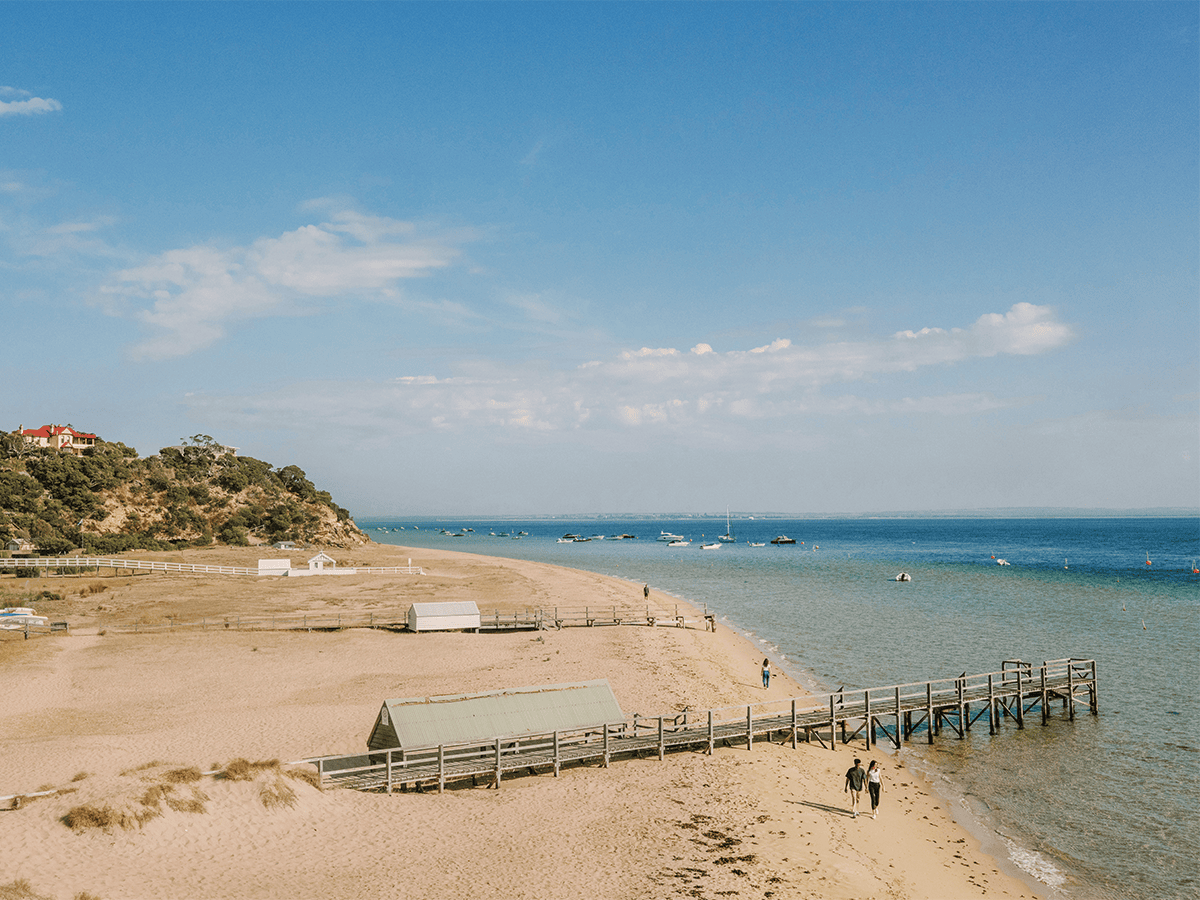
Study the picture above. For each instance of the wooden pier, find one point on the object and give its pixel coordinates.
(899, 713)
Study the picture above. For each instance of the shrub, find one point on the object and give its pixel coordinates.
(276, 793)
(21, 890)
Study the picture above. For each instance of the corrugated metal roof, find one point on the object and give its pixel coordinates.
(450, 719)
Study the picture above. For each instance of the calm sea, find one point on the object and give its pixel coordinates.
(1104, 807)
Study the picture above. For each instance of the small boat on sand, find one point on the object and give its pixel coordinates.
(16, 618)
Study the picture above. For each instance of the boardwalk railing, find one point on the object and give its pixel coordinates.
(528, 619)
(150, 565)
(908, 709)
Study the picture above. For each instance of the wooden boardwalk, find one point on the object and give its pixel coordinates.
(900, 713)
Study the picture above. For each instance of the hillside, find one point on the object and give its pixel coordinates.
(108, 499)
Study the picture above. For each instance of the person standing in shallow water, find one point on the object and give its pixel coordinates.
(874, 784)
(856, 777)
(766, 673)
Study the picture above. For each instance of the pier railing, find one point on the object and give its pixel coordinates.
(897, 711)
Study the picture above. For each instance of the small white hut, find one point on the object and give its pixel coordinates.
(320, 561)
(453, 616)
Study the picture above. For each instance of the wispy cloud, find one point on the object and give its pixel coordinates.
(187, 297)
(663, 388)
(25, 104)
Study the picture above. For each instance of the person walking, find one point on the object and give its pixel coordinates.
(766, 673)
(646, 591)
(874, 784)
(856, 777)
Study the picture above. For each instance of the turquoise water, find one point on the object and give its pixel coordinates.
(1101, 807)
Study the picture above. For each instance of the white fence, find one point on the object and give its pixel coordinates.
(148, 565)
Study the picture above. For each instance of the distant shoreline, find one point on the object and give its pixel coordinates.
(1169, 512)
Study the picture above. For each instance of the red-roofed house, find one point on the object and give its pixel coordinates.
(60, 437)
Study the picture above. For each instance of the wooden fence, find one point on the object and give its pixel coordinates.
(899, 712)
(86, 563)
(532, 619)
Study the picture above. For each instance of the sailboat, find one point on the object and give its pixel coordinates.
(727, 538)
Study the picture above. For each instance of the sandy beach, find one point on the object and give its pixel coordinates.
(109, 718)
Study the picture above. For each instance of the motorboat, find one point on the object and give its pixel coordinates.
(755, 544)
(783, 539)
(17, 618)
(903, 576)
(667, 536)
(715, 545)
(680, 543)
(1003, 562)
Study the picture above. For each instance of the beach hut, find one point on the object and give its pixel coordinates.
(320, 561)
(463, 718)
(454, 616)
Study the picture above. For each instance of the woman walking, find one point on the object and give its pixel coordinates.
(766, 673)
(874, 783)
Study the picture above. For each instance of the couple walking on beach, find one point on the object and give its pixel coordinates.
(856, 778)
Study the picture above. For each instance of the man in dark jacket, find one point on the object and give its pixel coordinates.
(856, 780)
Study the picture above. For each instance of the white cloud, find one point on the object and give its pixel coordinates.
(662, 388)
(188, 297)
(27, 105)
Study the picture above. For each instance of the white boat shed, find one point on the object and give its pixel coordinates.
(453, 616)
(463, 718)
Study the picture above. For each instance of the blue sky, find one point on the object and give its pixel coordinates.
(541, 258)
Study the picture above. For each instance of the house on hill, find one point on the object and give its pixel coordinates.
(61, 437)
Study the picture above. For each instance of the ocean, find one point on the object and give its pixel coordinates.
(1102, 807)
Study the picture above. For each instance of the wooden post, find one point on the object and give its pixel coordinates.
(662, 743)
(710, 733)
(389, 771)
(1020, 702)
(899, 721)
(442, 766)
(832, 723)
(869, 724)
(929, 709)
(321, 774)
(1071, 690)
(1095, 692)
(991, 705)
(1045, 711)
(749, 728)
(793, 724)
(556, 760)
(497, 762)
(960, 685)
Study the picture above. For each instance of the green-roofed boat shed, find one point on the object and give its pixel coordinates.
(461, 718)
